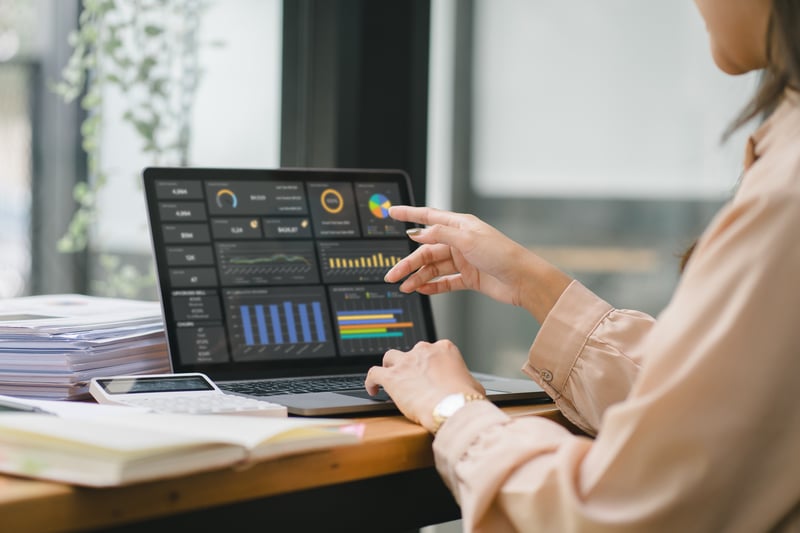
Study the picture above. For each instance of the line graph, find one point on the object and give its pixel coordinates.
(258, 263)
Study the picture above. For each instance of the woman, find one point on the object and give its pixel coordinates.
(696, 417)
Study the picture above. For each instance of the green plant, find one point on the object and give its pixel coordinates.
(147, 51)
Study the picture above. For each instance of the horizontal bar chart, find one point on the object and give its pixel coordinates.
(381, 323)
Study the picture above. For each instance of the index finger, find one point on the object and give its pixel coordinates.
(425, 215)
(457, 230)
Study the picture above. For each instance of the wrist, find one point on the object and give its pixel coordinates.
(450, 405)
(546, 285)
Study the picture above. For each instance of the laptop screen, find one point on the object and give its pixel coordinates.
(279, 272)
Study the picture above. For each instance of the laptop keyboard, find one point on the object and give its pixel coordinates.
(295, 385)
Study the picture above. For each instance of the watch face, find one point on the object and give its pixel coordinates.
(449, 405)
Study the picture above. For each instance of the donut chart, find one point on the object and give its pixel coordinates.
(227, 198)
(332, 201)
(379, 205)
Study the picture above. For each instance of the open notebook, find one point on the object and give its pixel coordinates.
(271, 282)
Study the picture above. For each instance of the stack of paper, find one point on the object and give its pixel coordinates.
(52, 345)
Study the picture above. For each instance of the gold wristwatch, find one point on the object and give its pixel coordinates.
(448, 406)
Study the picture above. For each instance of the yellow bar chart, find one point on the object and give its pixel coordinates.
(377, 260)
(361, 261)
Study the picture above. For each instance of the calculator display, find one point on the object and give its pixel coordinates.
(154, 384)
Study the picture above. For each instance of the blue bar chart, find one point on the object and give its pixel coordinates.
(265, 327)
(279, 323)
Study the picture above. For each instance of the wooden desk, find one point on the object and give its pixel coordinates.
(385, 483)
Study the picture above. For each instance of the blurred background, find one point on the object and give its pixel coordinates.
(589, 131)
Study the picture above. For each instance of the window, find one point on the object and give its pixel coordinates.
(590, 132)
(15, 154)
(222, 104)
(18, 63)
(239, 83)
(602, 99)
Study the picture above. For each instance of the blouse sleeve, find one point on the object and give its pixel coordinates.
(587, 354)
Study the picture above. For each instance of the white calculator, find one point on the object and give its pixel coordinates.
(187, 393)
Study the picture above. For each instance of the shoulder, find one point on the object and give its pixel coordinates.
(776, 172)
(760, 225)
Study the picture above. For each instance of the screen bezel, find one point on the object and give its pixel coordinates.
(277, 368)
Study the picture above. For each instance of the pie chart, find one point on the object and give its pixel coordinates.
(379, 205)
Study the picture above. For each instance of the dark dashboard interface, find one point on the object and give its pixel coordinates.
(277, 266)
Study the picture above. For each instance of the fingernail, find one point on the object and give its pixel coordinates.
(413, 231)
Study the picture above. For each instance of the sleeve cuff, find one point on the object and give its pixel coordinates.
(562, 337)
(459, 433)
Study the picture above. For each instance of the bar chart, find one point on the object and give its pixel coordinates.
(372, 319)
(374, 324)
(279, 323)
(359, 261)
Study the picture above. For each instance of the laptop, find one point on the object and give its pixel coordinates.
(271, 283)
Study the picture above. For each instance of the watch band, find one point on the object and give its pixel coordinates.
(449, 405)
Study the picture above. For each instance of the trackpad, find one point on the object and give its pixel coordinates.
(380, 397)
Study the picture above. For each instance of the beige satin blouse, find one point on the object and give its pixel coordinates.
(696, 414)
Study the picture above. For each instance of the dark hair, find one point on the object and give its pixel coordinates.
(782, 72)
